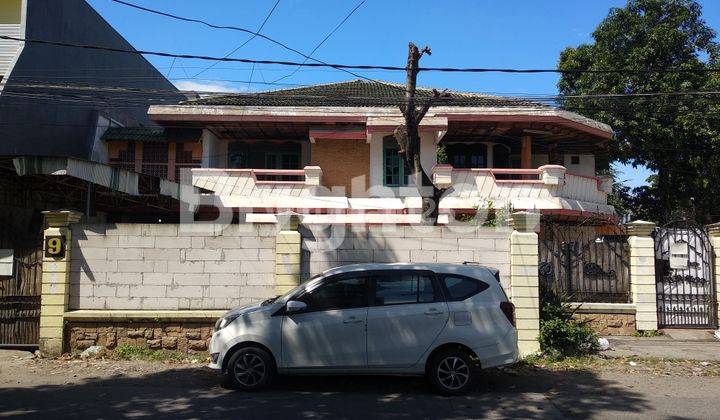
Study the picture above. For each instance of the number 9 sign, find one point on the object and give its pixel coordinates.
(55, 246)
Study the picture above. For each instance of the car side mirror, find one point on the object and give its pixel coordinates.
(295, 306)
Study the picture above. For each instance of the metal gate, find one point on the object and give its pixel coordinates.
(684, 276)
(584, 265)
(20, 293)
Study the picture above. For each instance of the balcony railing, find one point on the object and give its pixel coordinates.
(258, 182)
(548, 188)
(546, 182)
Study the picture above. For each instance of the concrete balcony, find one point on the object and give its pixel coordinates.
(549, 189)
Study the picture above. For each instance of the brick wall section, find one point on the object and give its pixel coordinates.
(167, 266)
(185, 337)
(421, 244)
(341, 161)
(610, 324)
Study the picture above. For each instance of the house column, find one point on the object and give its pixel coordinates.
(524, 282)
(172, 155)
(642, 274)
(288, 248)
(138, 156)
(57, 240)
(714, 232)
(526, 152)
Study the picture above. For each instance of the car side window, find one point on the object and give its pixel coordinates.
(395, 289)
(343, 293)
(460, 288)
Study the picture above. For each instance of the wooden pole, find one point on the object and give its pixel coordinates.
(526, 153)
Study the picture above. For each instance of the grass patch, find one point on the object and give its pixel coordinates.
(144, 353)
(648, 333)
(625, 365)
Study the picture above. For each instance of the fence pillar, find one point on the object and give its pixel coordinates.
(714, 232)
(57, 244)
(287, 252)
(524, 283)
(642, 274)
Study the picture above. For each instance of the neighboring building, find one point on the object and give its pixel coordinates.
(291, 149)
(55, 104)
(57, 101)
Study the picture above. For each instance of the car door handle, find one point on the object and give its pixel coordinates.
(352, 320)
(433, 311)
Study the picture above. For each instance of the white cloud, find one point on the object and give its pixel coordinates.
(189, 85)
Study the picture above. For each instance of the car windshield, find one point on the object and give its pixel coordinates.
(293, 291)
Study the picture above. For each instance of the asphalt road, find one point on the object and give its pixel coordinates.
(106, 389)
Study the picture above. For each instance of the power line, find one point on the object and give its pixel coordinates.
(233, 28)
(363, 67)
(323, 40)
(244, 43)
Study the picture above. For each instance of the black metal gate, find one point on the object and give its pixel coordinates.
(684, 276)
(20, 292)
(584, 265)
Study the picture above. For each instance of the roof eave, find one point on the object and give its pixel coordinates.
(209, 113)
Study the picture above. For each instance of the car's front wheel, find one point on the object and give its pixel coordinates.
(251, 369)
(452, 372)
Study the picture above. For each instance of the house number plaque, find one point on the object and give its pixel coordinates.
(55, 247)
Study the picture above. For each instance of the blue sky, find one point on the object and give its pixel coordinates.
(510, 33)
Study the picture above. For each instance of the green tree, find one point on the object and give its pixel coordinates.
(676, 134)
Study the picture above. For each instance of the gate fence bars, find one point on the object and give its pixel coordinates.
(586, 263)
(684, 276)
(20, 292)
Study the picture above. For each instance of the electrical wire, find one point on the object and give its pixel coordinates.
(323, 40)
(364, 67)
(235, 28)
(244, 43)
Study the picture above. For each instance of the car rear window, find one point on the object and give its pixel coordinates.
(461, 287)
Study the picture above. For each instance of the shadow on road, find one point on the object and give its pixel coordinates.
(196, 393)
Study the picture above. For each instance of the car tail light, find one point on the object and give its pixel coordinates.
(509, 310)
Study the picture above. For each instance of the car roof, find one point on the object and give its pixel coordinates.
(467, 269)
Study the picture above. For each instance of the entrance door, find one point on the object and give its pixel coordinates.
(684, 277)
(406, 316)
(330, 333)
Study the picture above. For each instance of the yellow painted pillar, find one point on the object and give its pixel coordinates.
(524, 282)
(642, 274)
(714, 231)
(55, 278)
(288, 244)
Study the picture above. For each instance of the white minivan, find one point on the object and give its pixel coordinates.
(440, 320)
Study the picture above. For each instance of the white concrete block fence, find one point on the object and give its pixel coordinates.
(130, 273)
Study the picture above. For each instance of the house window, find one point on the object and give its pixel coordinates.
(574, 160)
(155, 159)
(394, 171)
(467, 155)
(264, 155)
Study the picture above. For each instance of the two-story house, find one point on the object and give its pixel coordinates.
(328, 151)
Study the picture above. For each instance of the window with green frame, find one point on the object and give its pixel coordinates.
(394, 171)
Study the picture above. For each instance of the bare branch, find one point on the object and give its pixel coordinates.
(430, 102)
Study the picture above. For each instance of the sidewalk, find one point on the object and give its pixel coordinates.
(675, 344)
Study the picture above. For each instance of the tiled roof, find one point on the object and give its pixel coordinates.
(357, 93)
(143, 134)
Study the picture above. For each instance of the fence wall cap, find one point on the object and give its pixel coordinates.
(714, 229)
(524, 221)
(640, 228)
(61, 218)
(289, 220)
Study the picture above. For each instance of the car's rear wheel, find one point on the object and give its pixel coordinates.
(251, 369)
(452, 372)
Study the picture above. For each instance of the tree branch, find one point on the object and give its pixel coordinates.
(420, 114)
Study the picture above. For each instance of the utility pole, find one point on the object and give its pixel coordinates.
(408, 136)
